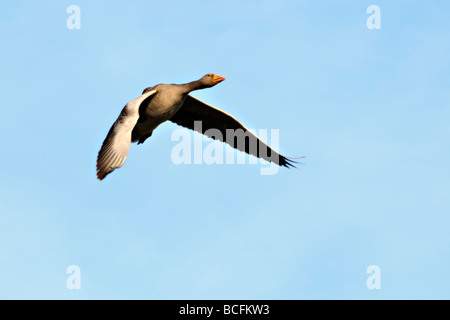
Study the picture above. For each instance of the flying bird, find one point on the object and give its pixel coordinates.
(141, 116)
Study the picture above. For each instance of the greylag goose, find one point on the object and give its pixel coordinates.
(172, 102)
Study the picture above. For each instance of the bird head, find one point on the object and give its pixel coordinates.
(210, 79)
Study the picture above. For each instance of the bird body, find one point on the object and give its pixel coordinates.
(141, 116)
(158, 109)
(166, 102)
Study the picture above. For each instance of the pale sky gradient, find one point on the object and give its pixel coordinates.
(368, 108)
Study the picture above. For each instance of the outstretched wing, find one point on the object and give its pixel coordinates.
(194, 110)
(115, 148)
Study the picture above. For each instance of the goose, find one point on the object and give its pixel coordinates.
(163, 102)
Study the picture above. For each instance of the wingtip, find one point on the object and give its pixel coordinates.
(289, 162)
(100, 175)
(101, 172)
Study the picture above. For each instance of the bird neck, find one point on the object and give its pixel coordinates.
(194, 85)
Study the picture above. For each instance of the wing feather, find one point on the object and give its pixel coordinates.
(114, 150)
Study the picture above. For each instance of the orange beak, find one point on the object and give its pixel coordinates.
(218, 79)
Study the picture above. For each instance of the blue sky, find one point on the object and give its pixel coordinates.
(368, 108)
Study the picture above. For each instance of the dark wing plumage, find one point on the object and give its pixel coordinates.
(194, 109)
(114, 150)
